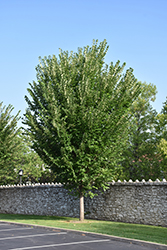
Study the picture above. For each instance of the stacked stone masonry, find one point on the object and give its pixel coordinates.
(131, 202)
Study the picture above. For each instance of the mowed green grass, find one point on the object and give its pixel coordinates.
(132, 231)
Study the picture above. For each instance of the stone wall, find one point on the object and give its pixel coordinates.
(134, 202)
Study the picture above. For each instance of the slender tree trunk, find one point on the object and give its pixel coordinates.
(81, 207)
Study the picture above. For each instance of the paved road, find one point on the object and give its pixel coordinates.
(22, 237)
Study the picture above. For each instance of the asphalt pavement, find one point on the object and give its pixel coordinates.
(15, 236)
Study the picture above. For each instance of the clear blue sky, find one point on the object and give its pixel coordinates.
(136, 31)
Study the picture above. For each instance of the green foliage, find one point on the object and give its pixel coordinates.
(16, 153)
(163, 146)
(77, 116)
(142, 157)
(34, 169)
(162, 133)
(161, 128)
(10, 146)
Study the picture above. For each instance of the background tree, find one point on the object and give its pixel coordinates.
(10, 145)
(34, 169)
(161, 129)
(162, 122)
(142, 158)
(77, 117)
(16, 153)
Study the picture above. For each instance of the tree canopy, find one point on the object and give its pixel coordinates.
(142, 159)
(77, 116)
(16, 153)
(34, 169)
(10, 146)
(161, 130)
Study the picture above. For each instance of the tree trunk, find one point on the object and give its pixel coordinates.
(81, 207)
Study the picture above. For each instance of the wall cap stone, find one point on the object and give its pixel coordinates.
(119, 182)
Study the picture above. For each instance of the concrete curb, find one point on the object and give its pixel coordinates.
(116, 238)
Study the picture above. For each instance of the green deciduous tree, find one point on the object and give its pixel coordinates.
(142, 158)
(77, 117)
(16, 153)
(162, 121)
(162, 132)
(34, 169)
(10, 145)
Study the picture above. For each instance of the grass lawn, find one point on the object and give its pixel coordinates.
(133, 231)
